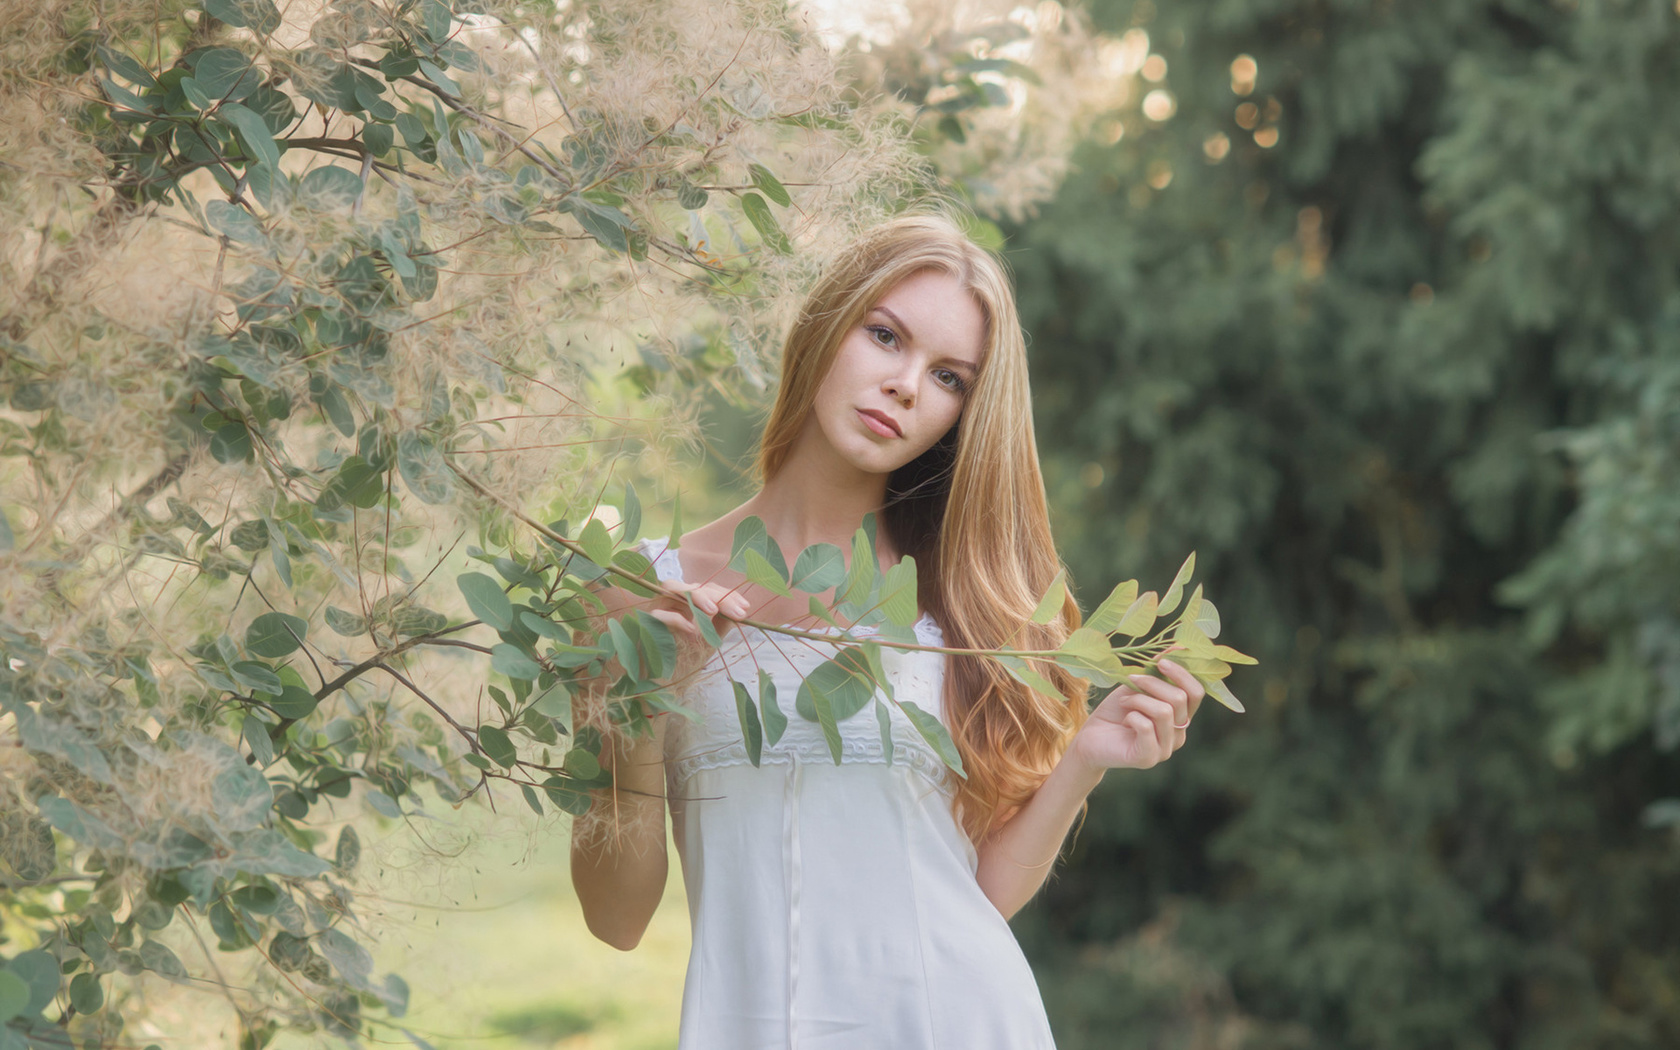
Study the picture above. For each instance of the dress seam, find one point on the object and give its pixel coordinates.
(921, 944)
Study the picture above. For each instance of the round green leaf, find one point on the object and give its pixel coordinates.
(511, 661)
(86, 993)
(14, 995)
(329, 188)
(275, 634)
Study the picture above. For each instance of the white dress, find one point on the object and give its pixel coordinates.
(833, 907)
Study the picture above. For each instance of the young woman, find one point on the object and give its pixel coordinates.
(864, 905)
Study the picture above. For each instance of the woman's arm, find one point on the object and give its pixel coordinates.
(1135, 727)
(619, 862)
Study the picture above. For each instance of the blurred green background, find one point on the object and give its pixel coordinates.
(1384, 322)
(1374, 305)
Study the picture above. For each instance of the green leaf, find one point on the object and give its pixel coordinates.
(531, 800)
(14, 995)
(1107, 615)
(605, 224)
(690, 196)
(822, 710)
(258, 15)
(256, 677)
(294, 702)
(346, 623)
(1022, 672)
(435, 17)
(758, 213)
(761, 572)
(329, 188)
(159, 959)
(43, 733)
(934, 732)
(224, 74)
(234, 221)
(39, 970)
(275, 634)
(231, 443)
(352, 961)
(1050, 605)
(708, 630)
(819, 567)
(675, 540)
(1169, 601)
(1139, 617)
(751, 731)
(195, 95)
(596, 543)
(241, 795)
(751, 535)
(349, 849)
(657, 643)
(512, 661)
(581, 764)
(632, 515)
(378, 138)
(1233, 656)
(845, 682)
(775, 722)
(1221, 692)
(1087, 654)
(770, 185)
(898, 593)
(486, 600)
(566, 796)
(821, 612)
(422, 466)
(864, 570)
(1207, 618)
(883, 721)
(497, 746)
(625, 648)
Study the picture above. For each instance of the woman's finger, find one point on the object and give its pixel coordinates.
(1164, 716)
(1193, 689)
(1149, 749)
(1172, 694)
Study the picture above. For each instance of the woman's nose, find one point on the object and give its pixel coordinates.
(901, 388)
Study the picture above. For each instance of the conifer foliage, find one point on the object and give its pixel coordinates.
(1376, 306)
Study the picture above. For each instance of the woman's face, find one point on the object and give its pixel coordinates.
(900, 378)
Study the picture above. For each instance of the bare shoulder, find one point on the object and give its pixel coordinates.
(705, 550)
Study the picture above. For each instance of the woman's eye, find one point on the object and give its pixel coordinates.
(884, 336)
(949, 379)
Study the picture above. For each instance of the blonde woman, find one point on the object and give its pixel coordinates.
(865, 904)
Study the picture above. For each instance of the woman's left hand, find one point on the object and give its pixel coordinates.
(1141, 724)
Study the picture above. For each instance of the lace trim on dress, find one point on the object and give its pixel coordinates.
(914, 756)
(911, 679)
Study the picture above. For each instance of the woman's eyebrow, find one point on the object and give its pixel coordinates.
(897, 321)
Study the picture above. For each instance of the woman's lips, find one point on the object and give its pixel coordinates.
(881, 424)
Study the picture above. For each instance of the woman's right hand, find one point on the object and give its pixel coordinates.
(722, 604)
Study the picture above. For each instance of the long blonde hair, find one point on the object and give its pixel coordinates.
(971, 509)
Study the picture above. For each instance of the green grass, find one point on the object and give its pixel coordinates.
(498, 955)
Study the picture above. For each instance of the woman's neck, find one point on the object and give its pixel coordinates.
(816, 499)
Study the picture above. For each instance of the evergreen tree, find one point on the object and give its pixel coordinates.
(1376, 306)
